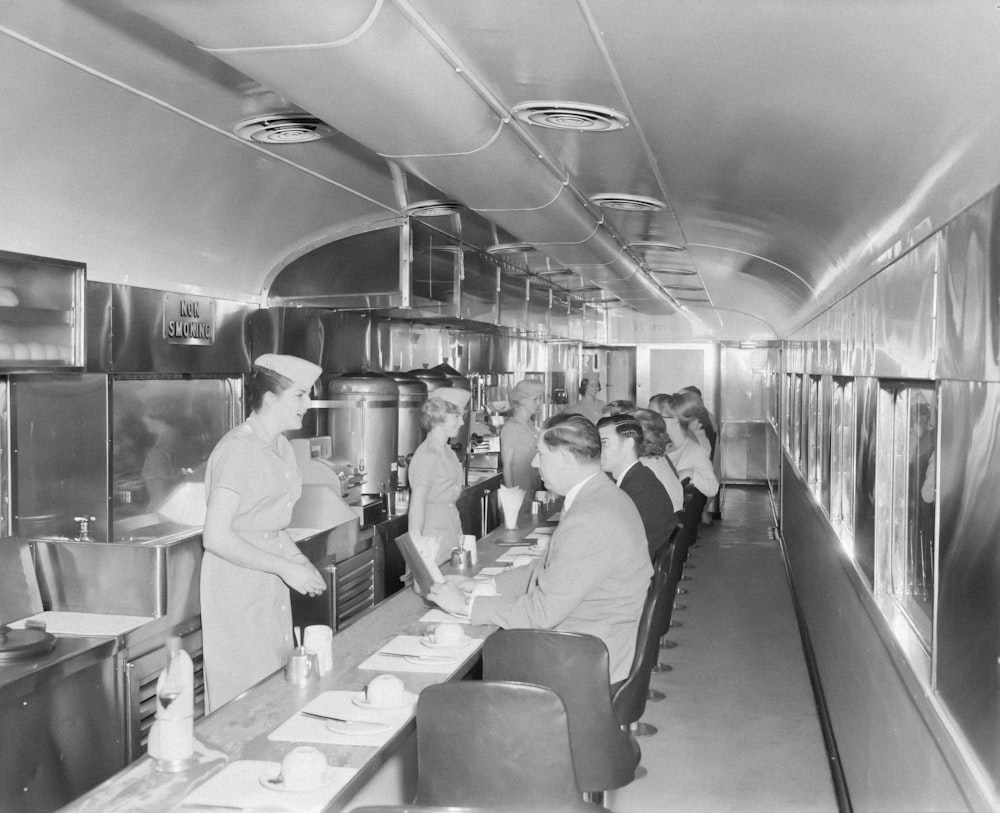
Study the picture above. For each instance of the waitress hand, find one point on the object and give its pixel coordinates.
(302, 577)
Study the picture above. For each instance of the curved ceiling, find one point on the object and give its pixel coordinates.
(796, 147)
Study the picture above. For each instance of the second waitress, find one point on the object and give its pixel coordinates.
(437, 475)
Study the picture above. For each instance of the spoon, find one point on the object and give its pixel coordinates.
(298, 637)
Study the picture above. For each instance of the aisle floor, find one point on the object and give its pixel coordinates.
(738, 729)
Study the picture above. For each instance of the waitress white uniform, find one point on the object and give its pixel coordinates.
(246, 614)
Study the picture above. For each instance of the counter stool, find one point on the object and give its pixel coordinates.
(629, 701)
(495, 745)
(575, 666)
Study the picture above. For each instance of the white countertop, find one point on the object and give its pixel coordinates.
(62, 623)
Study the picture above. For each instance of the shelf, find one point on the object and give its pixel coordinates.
(35, 316)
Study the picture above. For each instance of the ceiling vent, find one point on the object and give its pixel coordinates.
(653, 245)
(627, 203)
(578, 116)
(432, 208)
(680, 287)
(283, 129)
(503, 249)
(674, 272)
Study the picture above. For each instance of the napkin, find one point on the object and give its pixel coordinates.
(511, 500)
(299, 728)
(513, 553)
(413, 645)
(238, 785)
(442, 617)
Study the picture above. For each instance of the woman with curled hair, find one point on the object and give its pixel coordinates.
(588, 404)
(436, 475)
(652, 454)
(688, 456)
(252, 483)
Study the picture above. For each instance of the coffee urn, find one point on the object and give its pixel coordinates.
(363, 410)
(412, 396)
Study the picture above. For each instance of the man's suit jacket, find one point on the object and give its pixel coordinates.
(654, 505)
(593, 577)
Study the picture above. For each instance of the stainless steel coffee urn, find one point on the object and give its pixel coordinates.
(364, 422)
(412, 396)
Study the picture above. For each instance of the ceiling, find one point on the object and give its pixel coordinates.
(792, 148)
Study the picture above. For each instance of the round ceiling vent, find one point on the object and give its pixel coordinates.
(579, 116)
(283, 129)
(432, 208)
(627, 203)
(502, 249)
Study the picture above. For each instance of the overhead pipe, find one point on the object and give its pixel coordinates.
(364, 67)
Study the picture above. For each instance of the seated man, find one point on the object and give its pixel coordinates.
(621, 437)
(595, 572)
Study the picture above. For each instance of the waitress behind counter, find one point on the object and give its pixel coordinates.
(519, 437)
(437, 476)
(251, 485)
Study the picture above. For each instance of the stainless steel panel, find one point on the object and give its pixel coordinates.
(19, 594)
(152, 579)
(744, 451)
(59, 441)
(130, 339)
(61, 733)
(969, 323)
(968, 599)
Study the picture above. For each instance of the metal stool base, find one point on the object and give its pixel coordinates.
(661, 667)
(665, 644)
(655, 696)
(640, 772)
(640, 729)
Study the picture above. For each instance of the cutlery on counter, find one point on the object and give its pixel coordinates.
(319, 716)
(416, 657)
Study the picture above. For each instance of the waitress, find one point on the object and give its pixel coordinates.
(251, 484)
(589, 405)
(437, 475)
(519, 436)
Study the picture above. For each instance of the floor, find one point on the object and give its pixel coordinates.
(738, 729)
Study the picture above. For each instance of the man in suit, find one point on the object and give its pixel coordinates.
(593, 576)
(621, 436)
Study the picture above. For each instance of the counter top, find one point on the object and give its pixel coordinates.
(239, 730)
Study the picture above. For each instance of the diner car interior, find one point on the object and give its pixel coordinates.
(790, 205)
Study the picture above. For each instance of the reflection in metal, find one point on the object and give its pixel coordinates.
(969, 324)
(864, 495)
(968, 603)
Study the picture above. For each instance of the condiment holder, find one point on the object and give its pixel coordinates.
(302, 667)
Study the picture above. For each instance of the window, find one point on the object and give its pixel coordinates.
(904, 513)
(842, 433)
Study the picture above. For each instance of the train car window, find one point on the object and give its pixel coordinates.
(812, 425)
(843, 428)
(904, 520)
(795, 416)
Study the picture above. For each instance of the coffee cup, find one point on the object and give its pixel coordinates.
(318, 638)
(542, 496)
(385, 690)
(303, 767)
(448, 635)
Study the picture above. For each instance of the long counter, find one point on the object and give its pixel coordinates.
(239, 730)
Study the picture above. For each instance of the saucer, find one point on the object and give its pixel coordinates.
(426, 641)
(329, 775)
(359, 728)
(362, 702)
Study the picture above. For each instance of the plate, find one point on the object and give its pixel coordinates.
(434, 645)
(329, 776)
(362, 703)
(359, 728)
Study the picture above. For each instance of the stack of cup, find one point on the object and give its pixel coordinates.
(318, 638)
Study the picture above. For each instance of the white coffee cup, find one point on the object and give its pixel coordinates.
(449, 635)
(318, 638)
(385, 690)
(303, 767)
(484, 588)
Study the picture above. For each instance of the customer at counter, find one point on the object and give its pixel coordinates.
(251, 484)
(621, 439)
(595, 572)
(519, 436)
(437, 475)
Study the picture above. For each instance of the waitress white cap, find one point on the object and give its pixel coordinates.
(453, 396)
(302, 373)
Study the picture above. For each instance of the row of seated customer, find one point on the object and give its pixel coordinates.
(552, 724)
